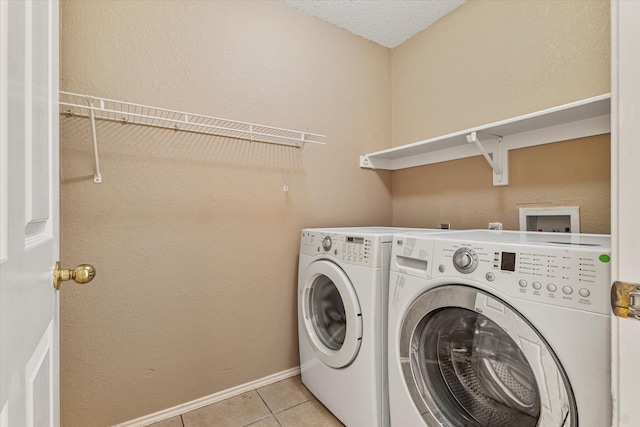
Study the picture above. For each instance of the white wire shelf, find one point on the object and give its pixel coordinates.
(96, 108)
(126, 112)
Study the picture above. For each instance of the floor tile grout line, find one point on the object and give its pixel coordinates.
(264, 401)
(274, 414)
(289, 407)
(261, 419)
(297, 404)
(268, 407)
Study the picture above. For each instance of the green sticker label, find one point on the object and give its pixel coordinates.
(605, 258)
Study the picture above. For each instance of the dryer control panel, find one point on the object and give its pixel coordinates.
(570, 276)
(347, 248)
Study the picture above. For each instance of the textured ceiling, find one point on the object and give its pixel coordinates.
(386, 22)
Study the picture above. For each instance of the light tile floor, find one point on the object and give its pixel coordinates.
(286, 403)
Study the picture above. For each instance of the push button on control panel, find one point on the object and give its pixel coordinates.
(536, 285)
(551, 287)
(584, 292)
(568, 290)
(523, 283)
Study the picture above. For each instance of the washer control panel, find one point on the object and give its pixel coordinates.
(570, 276)
(349, 248)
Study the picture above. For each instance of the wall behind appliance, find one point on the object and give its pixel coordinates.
(194, 241)
(488, 61)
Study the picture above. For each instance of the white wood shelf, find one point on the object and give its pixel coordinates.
(579, 119)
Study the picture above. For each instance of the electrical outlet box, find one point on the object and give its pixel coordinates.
(559, 219)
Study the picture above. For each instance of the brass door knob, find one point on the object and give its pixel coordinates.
(84, 273)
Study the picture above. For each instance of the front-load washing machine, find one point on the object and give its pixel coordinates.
(497, 328)
(342, 316)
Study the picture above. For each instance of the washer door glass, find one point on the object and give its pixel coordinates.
(327, 313)
(474, 365)
(477, 362)
(331, 313)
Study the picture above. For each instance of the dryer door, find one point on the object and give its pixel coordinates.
(331, 314)
(470, 359)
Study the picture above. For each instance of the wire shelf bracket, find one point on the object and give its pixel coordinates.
(97, 177)
(96, 108)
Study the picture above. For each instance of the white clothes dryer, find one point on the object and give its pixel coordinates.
(498, 328)
(343, 278)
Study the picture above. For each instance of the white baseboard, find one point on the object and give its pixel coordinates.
(208, 400)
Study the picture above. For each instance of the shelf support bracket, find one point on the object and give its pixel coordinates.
(498, 159)
(285, 187)
(97, 178)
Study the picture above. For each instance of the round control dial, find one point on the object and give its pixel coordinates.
(465, 260)
(326, 243)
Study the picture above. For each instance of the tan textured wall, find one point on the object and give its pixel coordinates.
(488, 61)
(194, 240)
(460, 192)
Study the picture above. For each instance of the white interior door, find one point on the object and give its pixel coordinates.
(29, 213)
(625, 197)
